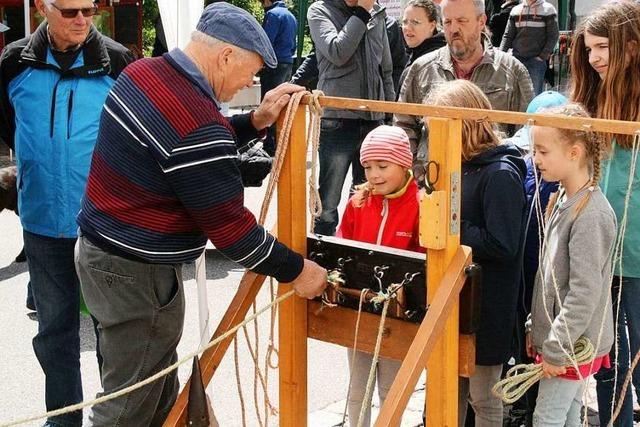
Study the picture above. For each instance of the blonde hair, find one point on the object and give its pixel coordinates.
(594, 145)
(617, 96)
(477, 135)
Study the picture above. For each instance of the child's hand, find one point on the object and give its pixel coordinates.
(550, 371)
(531, 350)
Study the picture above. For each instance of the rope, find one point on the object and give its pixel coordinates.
(374, 365)
(315, 203)
(238, 382)
(521, 377)
(353, 356)
(171, 368)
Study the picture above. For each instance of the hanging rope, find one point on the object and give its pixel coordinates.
(315, 203)
(521, 377)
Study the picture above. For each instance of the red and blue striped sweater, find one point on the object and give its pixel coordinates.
(164, 175)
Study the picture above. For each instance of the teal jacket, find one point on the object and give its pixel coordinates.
(614, 184)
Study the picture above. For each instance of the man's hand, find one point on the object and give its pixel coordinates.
(550, 371)
(366, 4)
(311, 281)
(272, 103)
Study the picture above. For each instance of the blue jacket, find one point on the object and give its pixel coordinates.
(50, 118)
(281, 28)
(492, 224)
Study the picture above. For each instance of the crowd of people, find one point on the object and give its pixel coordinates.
(132, 167)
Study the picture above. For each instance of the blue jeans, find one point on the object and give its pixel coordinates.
(269, 79)
(537, 69)
(559, 403)
(57, 344)
(628, 321)
(340, 141)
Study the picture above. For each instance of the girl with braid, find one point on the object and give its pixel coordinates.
(605, 68)
(572, 289)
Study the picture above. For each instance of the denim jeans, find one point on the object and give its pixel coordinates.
(140, 312)
(537, 69)
(269, 79)
(628, 340)
(559, 403)
(56, 293)
(340, 141)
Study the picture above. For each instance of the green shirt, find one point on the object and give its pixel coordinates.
(615, 181)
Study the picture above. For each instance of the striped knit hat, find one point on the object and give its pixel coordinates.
(388, 143)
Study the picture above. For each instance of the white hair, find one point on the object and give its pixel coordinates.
(49, 3)
(479, 5)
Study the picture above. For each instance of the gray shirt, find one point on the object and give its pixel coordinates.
(576, 255)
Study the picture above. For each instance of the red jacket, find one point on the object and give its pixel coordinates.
(390, 220)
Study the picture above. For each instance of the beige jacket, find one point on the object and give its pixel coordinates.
(501, 77)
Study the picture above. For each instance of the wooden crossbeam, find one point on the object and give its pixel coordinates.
(497, 116)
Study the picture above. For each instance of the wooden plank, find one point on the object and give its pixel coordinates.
(467, 355)
(422, 348)
(445, 142)
(433, 220)
(337, 325)
(497, 116)
(210, 360)
(292, 326)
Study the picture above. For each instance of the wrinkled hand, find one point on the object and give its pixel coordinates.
(272, 103)
(366, 4)
(311, 281)
(550, 371)
(531, 351)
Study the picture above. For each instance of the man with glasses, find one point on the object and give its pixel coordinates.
(52, 88)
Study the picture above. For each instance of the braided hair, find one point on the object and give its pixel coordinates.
(595, 148)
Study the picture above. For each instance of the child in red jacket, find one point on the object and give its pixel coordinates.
(384, 211)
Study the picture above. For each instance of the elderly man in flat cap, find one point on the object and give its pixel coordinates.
(163, 179)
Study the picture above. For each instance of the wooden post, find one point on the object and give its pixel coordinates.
(292, 231)
(445, 142)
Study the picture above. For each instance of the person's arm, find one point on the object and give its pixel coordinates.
(551, 25)
(7, 113)
(271, 26)
(590, 247)
(386, 68)
(398, 52)
(509, 34)
(203, 173)
(345, 229)
(337, 45)
(503, 204)
(307, 71)
(523, 90)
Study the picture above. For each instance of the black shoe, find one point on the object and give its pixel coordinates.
(22, 257)
(30, 305)
(636, 415)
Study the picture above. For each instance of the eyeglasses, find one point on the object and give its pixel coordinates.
(72, 13)
(411, 23)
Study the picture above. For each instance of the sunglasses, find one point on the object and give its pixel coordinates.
(72, 13)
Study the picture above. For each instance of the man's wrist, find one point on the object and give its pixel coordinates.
(257, 121)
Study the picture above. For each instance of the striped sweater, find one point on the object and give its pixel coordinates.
(164, 175)
(532, 30)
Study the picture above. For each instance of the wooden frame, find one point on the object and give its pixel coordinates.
(436, 343)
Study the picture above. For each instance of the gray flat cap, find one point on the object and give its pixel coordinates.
(236, 26)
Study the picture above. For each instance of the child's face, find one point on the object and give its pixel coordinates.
(384, 177)
(555, 158)
(598, 51)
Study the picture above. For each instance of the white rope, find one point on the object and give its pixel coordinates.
(315, 203)
(171, 368)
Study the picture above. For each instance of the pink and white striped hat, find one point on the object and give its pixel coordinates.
(388, 143)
